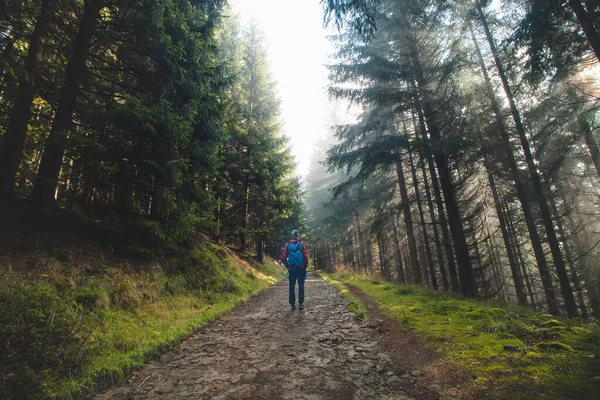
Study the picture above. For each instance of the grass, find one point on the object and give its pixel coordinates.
(72, 331)
(545, 358)
(354, 304)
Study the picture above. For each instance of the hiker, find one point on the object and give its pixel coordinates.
(295, 259)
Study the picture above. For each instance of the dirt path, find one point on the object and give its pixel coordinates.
(263, 350)
(435, 378)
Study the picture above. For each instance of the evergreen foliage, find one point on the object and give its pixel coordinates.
(485, 118)
(156, 114)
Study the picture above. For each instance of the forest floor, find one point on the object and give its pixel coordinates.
(264, 350)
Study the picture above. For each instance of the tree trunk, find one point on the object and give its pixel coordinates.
(45, 185)
(467, 283)
(536, 242)
(333, 257)
(514, 268)
(517, 247)
(572, 267)
(245, 210)
(438, 199)
(398, 253)
(587, 24)
(590, 141)
(361, 242)
(440, 207)
(381, 255)
(350, 247)
(430, 267)
(410, 235)
(260, 247)
(369, 251)
(559, 264)
(13, 141)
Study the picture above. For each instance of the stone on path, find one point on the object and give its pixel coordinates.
(263, 350)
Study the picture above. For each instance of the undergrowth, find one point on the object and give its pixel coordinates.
(512, 352)
(66, 330)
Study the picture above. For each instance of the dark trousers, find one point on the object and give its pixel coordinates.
(300, 276)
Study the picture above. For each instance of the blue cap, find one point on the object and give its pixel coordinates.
(295, 234)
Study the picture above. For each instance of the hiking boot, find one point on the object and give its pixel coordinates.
(293, 306)
(301, 306)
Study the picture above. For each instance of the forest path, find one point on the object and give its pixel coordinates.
(263, 350)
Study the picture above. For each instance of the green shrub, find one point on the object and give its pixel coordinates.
(35, 324)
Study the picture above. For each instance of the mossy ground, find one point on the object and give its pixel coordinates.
(545, 357)
(67, 329)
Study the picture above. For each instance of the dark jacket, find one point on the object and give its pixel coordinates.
(284, 256)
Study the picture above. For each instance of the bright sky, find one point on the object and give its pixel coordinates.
(298, 49)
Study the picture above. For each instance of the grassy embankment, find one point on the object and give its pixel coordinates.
(71, 323)
(545, 358)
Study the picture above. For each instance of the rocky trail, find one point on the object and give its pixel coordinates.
(264, 350)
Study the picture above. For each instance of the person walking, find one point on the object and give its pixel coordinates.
(295, 259)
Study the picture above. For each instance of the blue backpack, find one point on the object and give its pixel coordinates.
(295, 255)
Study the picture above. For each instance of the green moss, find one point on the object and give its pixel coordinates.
(445, 307)
(487, 313)
(551, 347)
(556, 358)
(552, 323)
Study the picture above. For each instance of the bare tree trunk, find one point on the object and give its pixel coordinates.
(245, 210)
(467, 283)
(430, 267)
(361, 242)
(517, 246)
(496, 261)
(13, 141)
(412, 244)
(587, 24)
(440, 206)
(333, 250)
(369, 251)
(260, 242)
(521, 192)
(381, 255)
(399, 263)
(45, 185)
(590, 141)
(572, 267)
(514, 268)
